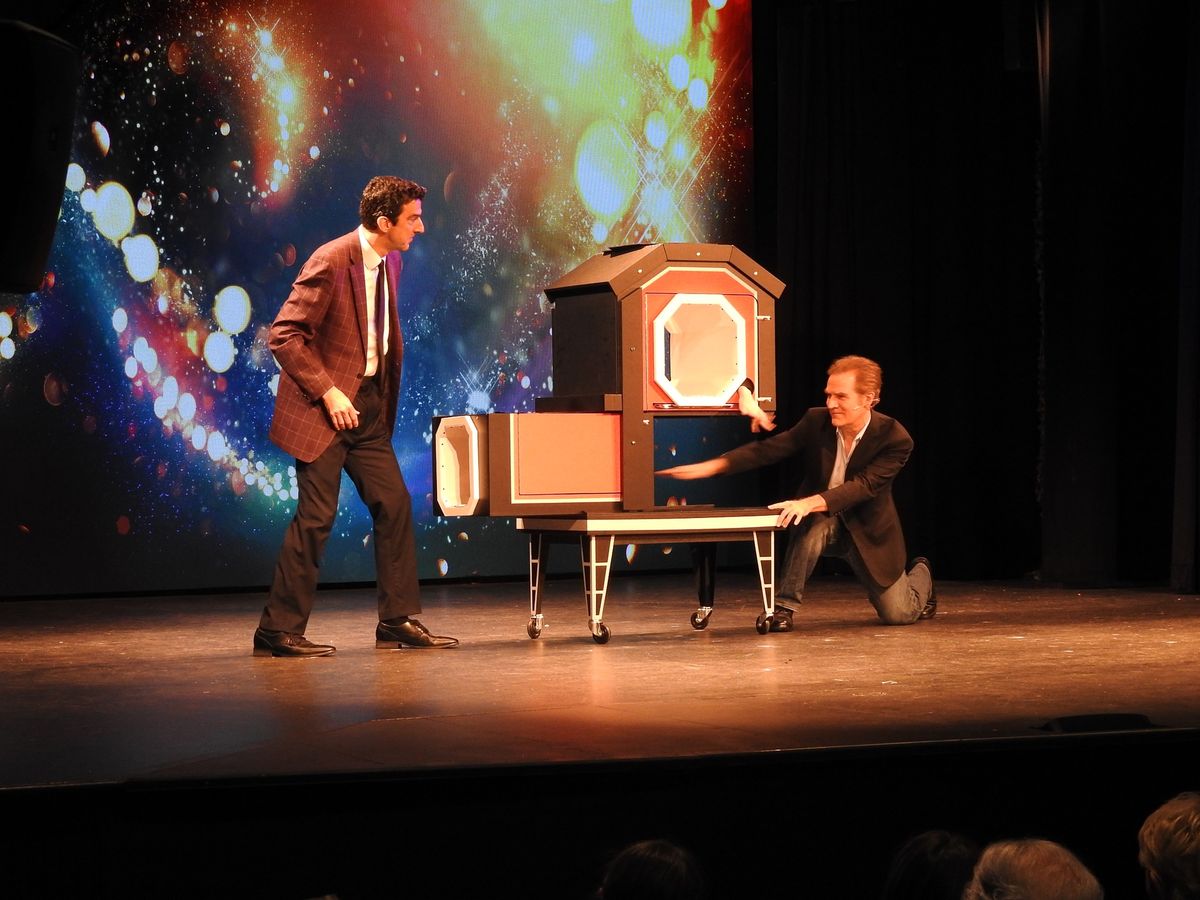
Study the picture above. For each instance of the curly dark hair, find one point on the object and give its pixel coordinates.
(385, 195)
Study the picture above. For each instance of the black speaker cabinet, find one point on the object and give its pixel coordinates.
(41, 76)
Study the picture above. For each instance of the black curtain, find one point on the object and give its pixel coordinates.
(1185, 566)
(991, 199)
(896, 169)
(1113, 110)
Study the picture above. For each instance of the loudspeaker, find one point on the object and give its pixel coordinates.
(41, 74)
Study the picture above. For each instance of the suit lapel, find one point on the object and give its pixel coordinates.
(358, 288)
(395, 262)
(864, 452)
(828, 451)
(867, 446)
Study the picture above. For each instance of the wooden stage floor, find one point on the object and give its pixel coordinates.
(160, 696)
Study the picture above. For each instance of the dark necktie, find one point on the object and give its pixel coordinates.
(380, 311)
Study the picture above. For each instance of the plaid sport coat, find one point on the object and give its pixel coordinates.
(319, 339)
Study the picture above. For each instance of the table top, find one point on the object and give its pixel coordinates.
(673, 519)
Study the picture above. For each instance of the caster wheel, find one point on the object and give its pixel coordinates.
(763, 624)
(601, 634)
(699, 622)
(533, 630)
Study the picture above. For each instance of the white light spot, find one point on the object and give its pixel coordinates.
(231, 308)
(76, 179)
(187, 407)
(100, 136)
(655, 130)
(141, 257)
(583, 48)
(678, 72)
(478, 402)
(170, 391)
(114, 212)
(662, 22)
(216, 446)
(219, 351)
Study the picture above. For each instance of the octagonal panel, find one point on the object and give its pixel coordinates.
(699, 350)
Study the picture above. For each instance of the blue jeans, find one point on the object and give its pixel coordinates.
(820, 534)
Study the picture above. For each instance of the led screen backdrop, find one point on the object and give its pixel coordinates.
(217, 144)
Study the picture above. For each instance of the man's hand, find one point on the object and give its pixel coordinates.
(341, 411)
(692, 471)
(794, 510)
(748, 406)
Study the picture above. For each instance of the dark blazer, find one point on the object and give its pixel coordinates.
(864, 503)
(319, 340)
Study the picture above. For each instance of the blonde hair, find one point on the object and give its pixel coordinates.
(868, 376)
(1031, 870)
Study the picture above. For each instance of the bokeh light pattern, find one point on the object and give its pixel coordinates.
(218, 144)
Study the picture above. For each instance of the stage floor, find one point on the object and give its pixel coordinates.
(145, 752)
(105, 691)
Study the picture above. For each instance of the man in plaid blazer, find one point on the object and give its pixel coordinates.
(337, 340)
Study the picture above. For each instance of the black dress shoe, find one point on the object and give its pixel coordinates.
(930, 608)
(409, 634)
(281, 643)
(782, 620)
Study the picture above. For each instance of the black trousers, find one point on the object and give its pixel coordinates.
(367, 456)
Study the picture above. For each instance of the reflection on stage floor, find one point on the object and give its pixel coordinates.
(139, 722)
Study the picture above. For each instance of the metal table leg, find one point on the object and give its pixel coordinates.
(596, 551)
(539, 551)
(704, 558)
(764, 550)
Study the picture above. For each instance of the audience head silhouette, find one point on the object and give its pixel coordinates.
(1031, 870)
(932, 865)
(653, 870)
(1169, 849)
